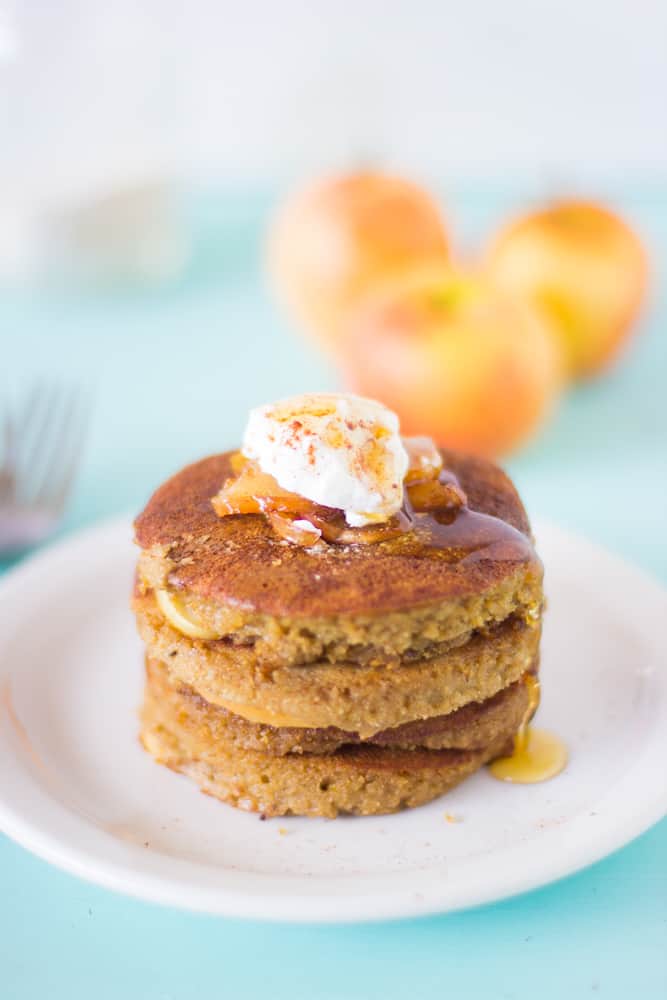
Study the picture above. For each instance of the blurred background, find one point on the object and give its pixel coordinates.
(145, 149)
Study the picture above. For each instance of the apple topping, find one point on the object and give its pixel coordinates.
(252, 491)
(428, 487)
(435, 494)
(293, 517)
(297, 530)
(425, 459)
(302, 522)
(308, 530)
(370, 534)
(238, 462)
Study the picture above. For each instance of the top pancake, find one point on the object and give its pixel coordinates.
(240, 561)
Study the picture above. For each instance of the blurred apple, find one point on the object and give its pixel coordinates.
(457, 359)
(331, 242)
(586, 267)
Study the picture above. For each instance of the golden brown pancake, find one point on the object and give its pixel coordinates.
(363, 780)
(238, 561)
(473, 727)
(364, 699)
(358, 678)
(251, 641)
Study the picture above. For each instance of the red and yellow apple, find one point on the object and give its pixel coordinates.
(585, 267)
(333, 241)
(456, 358)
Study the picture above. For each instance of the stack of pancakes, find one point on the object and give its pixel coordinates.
(343, 678)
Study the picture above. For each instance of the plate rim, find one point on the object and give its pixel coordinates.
(368, 902)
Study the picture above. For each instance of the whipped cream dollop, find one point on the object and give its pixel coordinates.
(335, 449)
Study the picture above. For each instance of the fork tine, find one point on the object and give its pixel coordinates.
(29, 402)
(8, 439)
(7, 478)
(65, 449)
(35, 428)
(72, 456)
(26, 417)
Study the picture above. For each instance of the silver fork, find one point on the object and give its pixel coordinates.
(42, 443)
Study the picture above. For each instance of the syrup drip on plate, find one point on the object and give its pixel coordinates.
(537, 754)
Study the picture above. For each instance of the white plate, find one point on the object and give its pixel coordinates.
(76, 788)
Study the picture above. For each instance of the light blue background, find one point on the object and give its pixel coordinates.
(172, 375)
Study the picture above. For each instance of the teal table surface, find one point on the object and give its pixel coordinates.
(171, 373)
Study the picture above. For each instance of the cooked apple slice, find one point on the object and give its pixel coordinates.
(425, 459)
(255, 492)
(299, 531)
(296, 519)
(371, 534)
(181, 617)
(435, 494)
(238, 462)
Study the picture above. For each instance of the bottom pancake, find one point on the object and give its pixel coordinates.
(359, 779)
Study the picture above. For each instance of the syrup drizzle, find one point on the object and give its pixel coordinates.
(469, 536)
(460, 534)
(537, 755)
(434, 521)
(466, 536)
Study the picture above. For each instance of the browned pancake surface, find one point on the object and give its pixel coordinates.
(239, 560)
(363, 780)
(473, 727)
